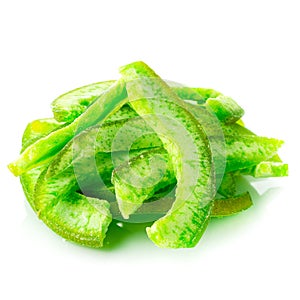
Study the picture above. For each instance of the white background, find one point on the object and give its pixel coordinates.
(246, 49)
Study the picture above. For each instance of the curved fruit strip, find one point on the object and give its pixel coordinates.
(232, 205)
(75, 217)
(67, 107)
(45, 148)
(215, 131)
(184, 224)
(273, 167)
(245, 151)
(225, 108)
(37, 129)
(34, 131)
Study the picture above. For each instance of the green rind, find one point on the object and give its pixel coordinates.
(225, 108)
(75, 217)
(82, 220)
(182, 228)
(28, 181)
(232, 205)
(191, 210)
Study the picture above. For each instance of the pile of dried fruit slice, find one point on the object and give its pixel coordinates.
(141, 149)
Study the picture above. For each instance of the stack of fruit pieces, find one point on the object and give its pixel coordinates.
(141, 149)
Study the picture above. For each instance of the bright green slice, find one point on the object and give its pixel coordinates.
(225, 108)
(73, 216)
(69, 106)
(33, 132)
(269, 169)
(45, 148)
(161, 108)
(246, 151)
(232, 205)
(37, 129)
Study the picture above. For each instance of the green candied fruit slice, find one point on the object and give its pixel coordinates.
(33, 132)
(177, 229)
(75, 217)
(186, 221)
(45, 148)
(225, 108)
(270, 169)
(72, 104)
(251, 170)
(37, 129)
(245, 151)
(242, 147)
(139, 179)
(83, 220)
(232, 205)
